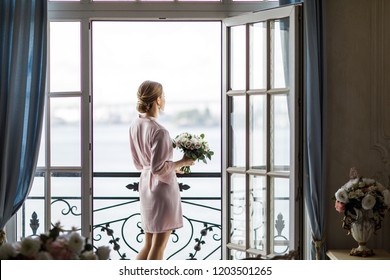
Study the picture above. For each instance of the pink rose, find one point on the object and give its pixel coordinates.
(340, 207)
(59, 251)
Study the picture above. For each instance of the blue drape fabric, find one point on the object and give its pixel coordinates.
(23, 51)
(315, 124)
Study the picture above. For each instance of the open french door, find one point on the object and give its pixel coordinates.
(261, 166)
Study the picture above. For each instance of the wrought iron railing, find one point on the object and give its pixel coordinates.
(117, 219)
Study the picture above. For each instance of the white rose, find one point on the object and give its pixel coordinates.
(30, 246)
(380, 187)
(7, 251)
(350, 183)
(368, 202)
(386, 197)
(187, 144)
(342, 196)
(89, 255)
(75, 242)
(44, 256)
(103, 252)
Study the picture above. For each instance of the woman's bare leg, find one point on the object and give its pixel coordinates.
(159, 242)
(143, 254)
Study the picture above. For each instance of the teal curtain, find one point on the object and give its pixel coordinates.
(315, 124)
(23, 49)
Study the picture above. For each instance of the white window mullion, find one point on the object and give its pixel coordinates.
(248, 222)
(86, 152)
(225, 148)
(269, 210)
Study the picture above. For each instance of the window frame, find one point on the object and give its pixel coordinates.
(295, 174)
(85, 11)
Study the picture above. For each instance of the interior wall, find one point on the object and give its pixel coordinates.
(357, 47)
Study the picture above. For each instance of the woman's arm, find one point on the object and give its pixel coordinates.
(161, 151)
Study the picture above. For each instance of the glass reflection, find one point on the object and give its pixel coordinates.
(280, 53)
(237, 122)
(258, 211)
(280, 125)
(258, 56)
(237, 57)
(237, 209)
(65, 127)
(258, 130)
(281, 201)
(65, 67)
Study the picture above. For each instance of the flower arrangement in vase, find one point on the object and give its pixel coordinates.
(364, 203)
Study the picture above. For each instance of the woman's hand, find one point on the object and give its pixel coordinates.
(186, 161)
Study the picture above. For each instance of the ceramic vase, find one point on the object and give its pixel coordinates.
(361, 230)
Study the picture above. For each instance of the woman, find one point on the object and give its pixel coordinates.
(152, 151)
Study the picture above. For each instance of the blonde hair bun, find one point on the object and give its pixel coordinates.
(147, 93)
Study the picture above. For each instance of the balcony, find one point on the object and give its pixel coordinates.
(116, 217)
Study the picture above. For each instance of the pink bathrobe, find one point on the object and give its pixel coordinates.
(152, 151)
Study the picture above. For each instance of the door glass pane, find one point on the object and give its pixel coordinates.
(65, 67)
(237, 125)
(258, 56)
(185, 50)
(258, 212)
(281, 200)
(66, 199)
(280, 127)
(65, 127)
(237, 209)
(34, 208)
(258, 130)
(280, 53)
(236, 255)
(237, 57)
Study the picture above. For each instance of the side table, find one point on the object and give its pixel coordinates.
(342, 254)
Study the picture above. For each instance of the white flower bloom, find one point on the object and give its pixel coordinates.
(380, 187)
(30, 246)
(368, 202)
(386, 197)
(75, 242)
(44, 256)
(350, 183)
(89, 255)
(342, 196)
(368, 181)
(7, 251)
(103, 252)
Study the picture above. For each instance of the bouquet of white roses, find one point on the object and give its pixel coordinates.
(362, 194)
(194, 147)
